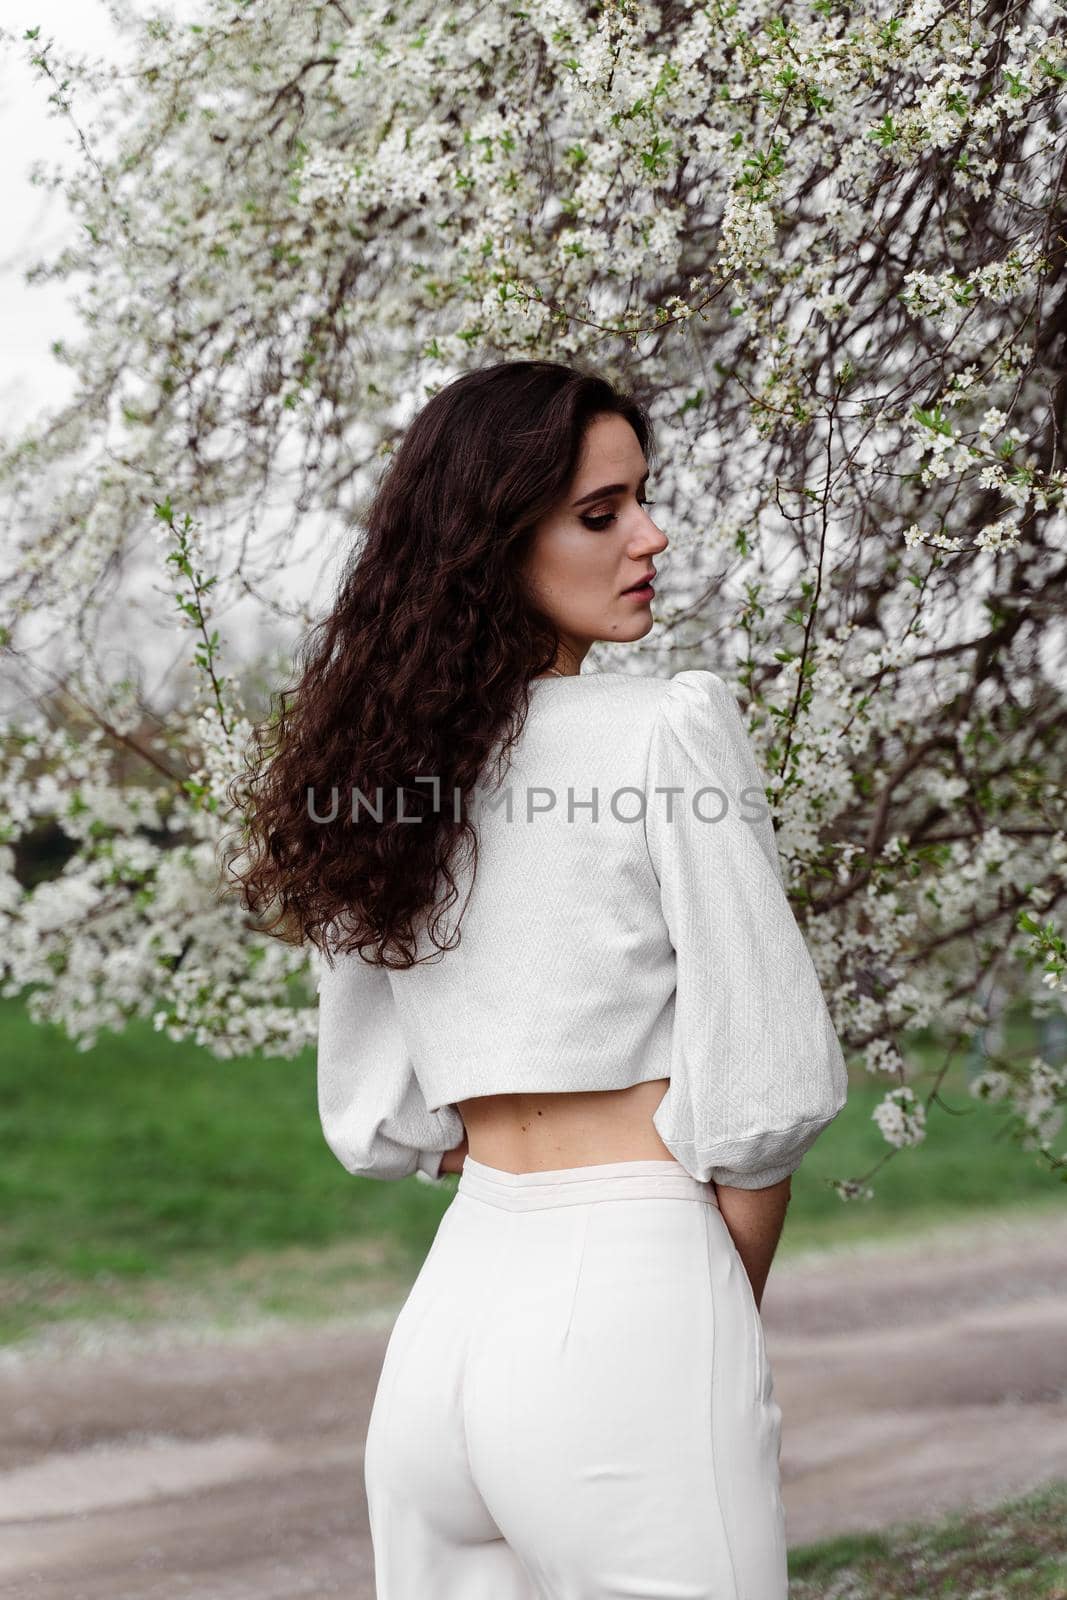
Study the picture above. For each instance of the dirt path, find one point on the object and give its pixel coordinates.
(911, 1382)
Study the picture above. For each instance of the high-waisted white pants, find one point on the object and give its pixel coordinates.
(575, 1401)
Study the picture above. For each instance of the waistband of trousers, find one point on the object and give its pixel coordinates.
(577, 1186)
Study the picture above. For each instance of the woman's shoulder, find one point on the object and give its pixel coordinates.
(689, 699)
(690, 683)
(625, 719)
(692, 694)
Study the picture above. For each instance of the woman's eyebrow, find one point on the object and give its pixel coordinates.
(612, 488)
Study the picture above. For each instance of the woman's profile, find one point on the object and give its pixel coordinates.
(555, 957)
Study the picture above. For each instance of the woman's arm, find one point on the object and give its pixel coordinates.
(756, 1070)
(754, 1219)
(373, 1112)
(452, 1160)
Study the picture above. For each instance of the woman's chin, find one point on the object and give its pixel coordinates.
(635, 626)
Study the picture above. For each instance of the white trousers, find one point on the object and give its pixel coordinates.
(575, 1401)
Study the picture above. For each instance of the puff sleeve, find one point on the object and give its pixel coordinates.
(757, 1070)
(373, 1113)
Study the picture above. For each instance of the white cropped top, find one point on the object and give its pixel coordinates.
(627, 921)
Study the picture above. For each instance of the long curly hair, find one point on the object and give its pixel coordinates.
(420, 670)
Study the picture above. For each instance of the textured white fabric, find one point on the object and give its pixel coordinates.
(615, 933)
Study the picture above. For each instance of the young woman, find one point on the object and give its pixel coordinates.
(559, 960)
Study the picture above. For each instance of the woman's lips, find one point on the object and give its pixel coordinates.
(644, 591)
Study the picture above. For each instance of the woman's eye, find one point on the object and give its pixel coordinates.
(601, 521)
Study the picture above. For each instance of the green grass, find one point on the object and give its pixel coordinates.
(1015, 1551)
(145, 1163)
(967, 1166)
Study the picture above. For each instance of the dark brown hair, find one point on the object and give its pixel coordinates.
(421, 667)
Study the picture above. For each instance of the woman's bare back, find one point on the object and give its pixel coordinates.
(541, 1132)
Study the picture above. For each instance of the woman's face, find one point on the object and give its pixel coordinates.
(597, 543)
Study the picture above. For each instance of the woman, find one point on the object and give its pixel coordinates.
(621, 1045)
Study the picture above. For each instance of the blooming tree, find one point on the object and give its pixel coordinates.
(826, 241)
